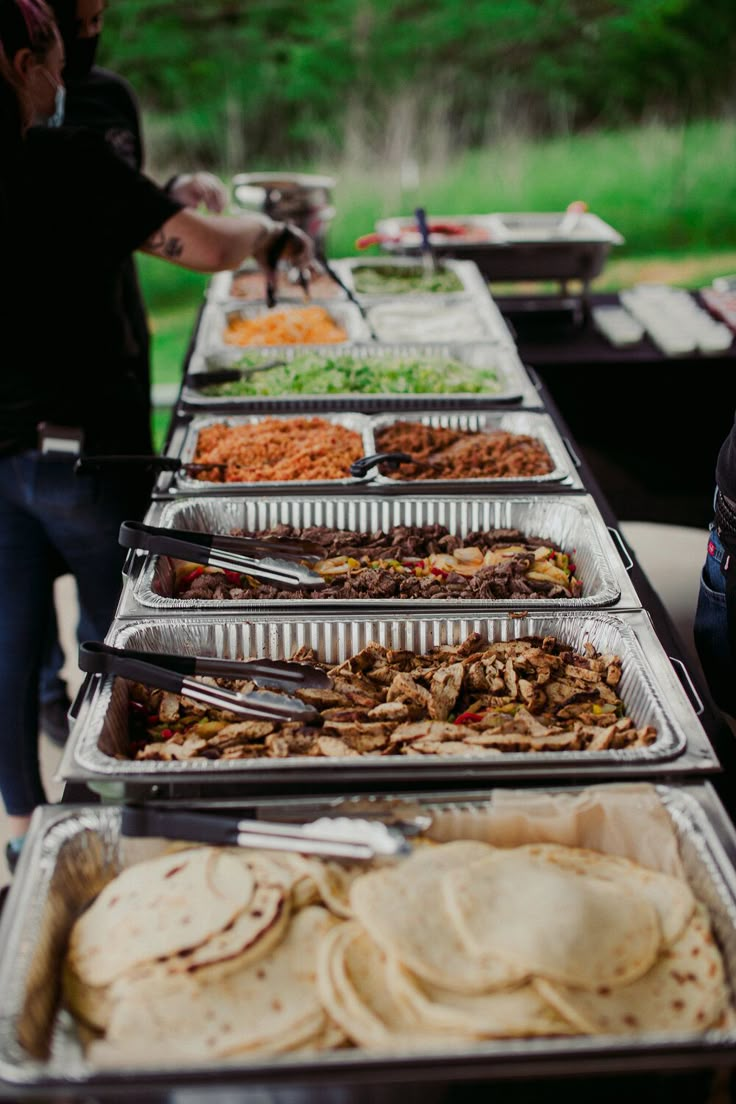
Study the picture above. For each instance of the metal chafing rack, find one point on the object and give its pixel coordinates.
(73, 853)
(100, 740)
(514, 385)
(570, 521)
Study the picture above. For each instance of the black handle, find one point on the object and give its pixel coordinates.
(87, 464)
(166, 542)
(200, 380)
(421, 216)
(101, 660)
(273, 256)
(361, 467)
(140, 820)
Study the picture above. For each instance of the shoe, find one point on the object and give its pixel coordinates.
(11, 856)
(54, 721)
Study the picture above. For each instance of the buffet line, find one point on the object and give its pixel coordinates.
(371, 591)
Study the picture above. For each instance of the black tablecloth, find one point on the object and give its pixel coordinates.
(650, 427)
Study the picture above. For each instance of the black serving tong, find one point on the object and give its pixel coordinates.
(85, 465)
(322, 259)
(210, 376)
(275, 561)
(334, 837)
(272, 259)
(429, 258)
(285, 674)
(361, 467)
(262, 705)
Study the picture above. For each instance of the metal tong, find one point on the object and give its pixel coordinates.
(334, 837)
(274, 561)
(336, 279)
(175, 674)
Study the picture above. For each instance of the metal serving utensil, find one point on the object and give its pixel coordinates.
(286, 674)
(274, 561)
(335, 277)
(332, 837)
(261, 705)
(209, 377)
(429, 259)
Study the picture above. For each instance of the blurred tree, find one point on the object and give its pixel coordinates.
(276, 81)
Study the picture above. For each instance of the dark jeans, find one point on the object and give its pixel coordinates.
(711, 629)
(46, 512)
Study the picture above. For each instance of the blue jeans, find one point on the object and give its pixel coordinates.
(711, 629)
(46, 512)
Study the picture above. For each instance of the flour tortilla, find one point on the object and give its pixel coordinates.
(551, 922)
(333, 882)
(672, 897)
(403, 910)
(89, 1003)
(156, 909)
(504, 1013)
(265, 1008)
(684, 991)
(253, 933)
(353, 987)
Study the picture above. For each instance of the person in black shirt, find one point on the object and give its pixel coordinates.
(104, 102)
(715, 617)
(71, 212)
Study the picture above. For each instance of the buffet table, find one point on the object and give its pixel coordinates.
(681, 1069)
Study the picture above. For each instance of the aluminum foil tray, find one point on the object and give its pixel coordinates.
(99, 744)
(515, 385)
(536, 425)
(571, 521)
(215, 316)
(489, 323)
(188, 484)
(466, 271)
(219, 288)
(73, 852)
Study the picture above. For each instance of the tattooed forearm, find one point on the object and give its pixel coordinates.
(167, 247)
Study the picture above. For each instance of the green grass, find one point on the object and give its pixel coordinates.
(671, 192)
(664, 188)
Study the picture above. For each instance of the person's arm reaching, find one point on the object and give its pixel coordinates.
(207, 244)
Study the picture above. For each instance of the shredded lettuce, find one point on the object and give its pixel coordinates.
(312, 374)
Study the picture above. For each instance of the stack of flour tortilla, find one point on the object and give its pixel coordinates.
(217, 954)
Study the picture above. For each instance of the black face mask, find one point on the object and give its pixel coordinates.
(80, 57)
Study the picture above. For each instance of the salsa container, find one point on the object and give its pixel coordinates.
(514, 384)
(649, 687)
(73, 852)
(570, 521)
